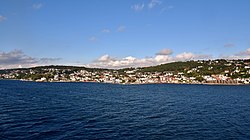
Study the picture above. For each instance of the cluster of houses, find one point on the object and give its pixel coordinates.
(133, 76)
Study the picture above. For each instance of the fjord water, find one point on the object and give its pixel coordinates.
(30, 110)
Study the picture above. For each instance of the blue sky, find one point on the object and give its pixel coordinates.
(121, 33)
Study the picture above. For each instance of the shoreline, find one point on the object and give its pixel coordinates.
(212, 84)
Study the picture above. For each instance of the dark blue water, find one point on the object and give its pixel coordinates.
(31, 110)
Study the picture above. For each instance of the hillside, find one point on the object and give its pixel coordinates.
(190, 71)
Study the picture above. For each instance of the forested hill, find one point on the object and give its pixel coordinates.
(218, 65)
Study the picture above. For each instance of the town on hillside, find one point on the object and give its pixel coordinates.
(219, 71)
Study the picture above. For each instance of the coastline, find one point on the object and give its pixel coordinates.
(211, 84)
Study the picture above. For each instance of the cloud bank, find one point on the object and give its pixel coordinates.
(17, 58)
(161, 57)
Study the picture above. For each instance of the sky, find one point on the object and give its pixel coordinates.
(121, 33)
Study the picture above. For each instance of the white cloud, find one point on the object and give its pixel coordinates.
(154, 3)
(161, 57)
(137, 7)
(165, 52)
(106, 30)
(121, 28)
(92, 39)
(2, 18)
(185, 56)
(16, 58)
(105, 58)
(37, 6)
(130, 58)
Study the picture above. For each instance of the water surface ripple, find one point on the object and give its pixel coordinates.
(30, 110)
